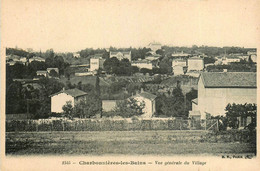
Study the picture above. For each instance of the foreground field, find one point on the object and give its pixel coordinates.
(121, 142)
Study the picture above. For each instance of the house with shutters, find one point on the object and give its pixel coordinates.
(217, 89)
(59, 99)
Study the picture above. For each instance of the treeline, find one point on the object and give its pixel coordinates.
(242, 66)
(207, 50)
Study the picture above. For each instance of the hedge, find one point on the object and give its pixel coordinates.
(103, 125)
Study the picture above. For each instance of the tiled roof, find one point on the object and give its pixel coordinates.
(229, 79)
(73, 92)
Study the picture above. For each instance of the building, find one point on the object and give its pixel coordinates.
(154, 46)
(36, 58)
(55, 69)
(178, 70)
(229, 59)
(195, 64)
(253, 52)
(121, 55)
(253, 58)
(180, 55)
(142, 64)
(96, 63)
(179, 62)
(108, 105)
(217, 89)
(58, 100)
(149, 101)
(43, 73)
(76, 55)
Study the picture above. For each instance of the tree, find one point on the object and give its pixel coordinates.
(145, 70)
(172, 106)
(88, 107)
(68, 109)
(110, 64)
(53, 73)
(240, 110)
(129, 107)
(192, 94)
(165, 66)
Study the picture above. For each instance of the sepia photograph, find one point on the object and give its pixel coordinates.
(101, 84)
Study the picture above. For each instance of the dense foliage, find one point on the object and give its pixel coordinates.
(233, 111)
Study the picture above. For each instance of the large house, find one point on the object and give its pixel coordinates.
(229, 59)
(121, 55)
(180, 55)
(58, 100)
(154, 46)
(217, 89)
(96, 63)
(36, 58)
(195, 64)
(143, 64)
(149, 101)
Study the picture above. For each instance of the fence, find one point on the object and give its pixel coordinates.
(106, 125)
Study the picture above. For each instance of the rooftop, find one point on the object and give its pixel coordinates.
(124, 53)
(41, 71)
(229, 79)
(147, 95)
(73, 92)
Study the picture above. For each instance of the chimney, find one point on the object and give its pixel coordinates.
(142, 90)
(63, 88)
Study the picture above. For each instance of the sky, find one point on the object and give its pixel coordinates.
(73, 25)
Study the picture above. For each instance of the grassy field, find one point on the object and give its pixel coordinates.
(120, 143)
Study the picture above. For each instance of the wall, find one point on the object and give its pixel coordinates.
(143, 65)
(215, 100)
(195, 64)
(108, 105)
(94, 64)
(59, 100)
(149, 108)
(176, 62)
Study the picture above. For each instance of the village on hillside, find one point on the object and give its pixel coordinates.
(156, 87)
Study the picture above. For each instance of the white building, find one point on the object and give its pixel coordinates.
(149, 101)
(195, 64)
(154, 46)
(96, 63)
(55, 69)
(229, 59)
(178, 70)
(58, 100)
(76, 55)
(179, 62)
(43, 73)
(180, 55)
(142, 64)
(39, 59)
(254, 58)
(217, 89)
(121, 55)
